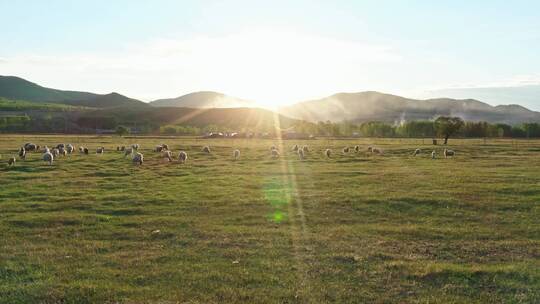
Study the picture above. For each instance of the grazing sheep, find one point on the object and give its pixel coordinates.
(346, 150)
(328, 153)
(370, 149)
(81, 149)
(433, 154)
(100, 150)
(86, 151)
(376, 150)
(295, 148)
(182, 157)
(275, 153)
(46, 149)
(416, 152)
(128, 151)
(31, 147)
(158, 149)
(60, 146)
(206, 149)
(22, 153)
(55, 152)
(305, 148)
(168, 155)
(165, 146)
(138, 158)
(70, 148)
(48, 157)
(135, 147)
(11, 161)
(236, 154)
(356, 149)
(62, 151)
(448, 153)
(301, 154)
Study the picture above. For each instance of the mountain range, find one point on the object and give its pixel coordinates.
(354, 107)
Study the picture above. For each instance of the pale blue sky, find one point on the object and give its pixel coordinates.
(272, 51)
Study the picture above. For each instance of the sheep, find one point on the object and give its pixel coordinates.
(22, 153)
(48, 157)
(236, 154)
(433, 154)
(182, 157)
(86, 151)
(62, 151)
(346, 150)
(370, 149)
(376, 150)
(295, 148)
(165, 146)
(81, 149)
(46, 149)
(275, 153)
(100, 150)
(70, 148)
(60, 146)
(206, 149)
(122, 148)
(356, 149)
(128, 151)
(416, 152)
(328, 153)
(301, 154)
(448, 153)
(138, 158)
(11, 161)
(273, 148)
(135, 147)
(55, 152)
(168, 155)
(305, 148)
(37, 148)
(118, 148)
(158, 149)
(31, 147)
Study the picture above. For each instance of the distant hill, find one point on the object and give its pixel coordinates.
(20, 89)
(375, 106)
(204, 99)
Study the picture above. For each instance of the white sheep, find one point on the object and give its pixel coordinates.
(377, 150)
(305, 148)
(158, 149)
(81, 149)
(370, 149)
(11, 161)
(70, 148)
(22, 153)
(275, 153)
(100, 150)
(301, 154)
(168, 155)
(165, 146)
(236, 154)
(182, 157)
(48, 157)
(448, 153)
(328, 153)
(86, 151)
(295, 148)
(135, 147)
(46, 149)
(356, 149)
(55, 152)
(416, 152)
(138, 158)
(206, 149)
(433, 154)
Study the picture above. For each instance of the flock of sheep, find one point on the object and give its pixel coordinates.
(49, 155)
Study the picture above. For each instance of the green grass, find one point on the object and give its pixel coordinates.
(352, 229)
(22, 105)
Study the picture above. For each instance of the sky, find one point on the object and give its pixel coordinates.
(273, 52)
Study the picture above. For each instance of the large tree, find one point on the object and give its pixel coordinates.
(447, 126)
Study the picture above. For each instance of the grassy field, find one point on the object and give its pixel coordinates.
(352, 229)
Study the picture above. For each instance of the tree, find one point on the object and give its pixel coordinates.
(121, 130)
(448, 126)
